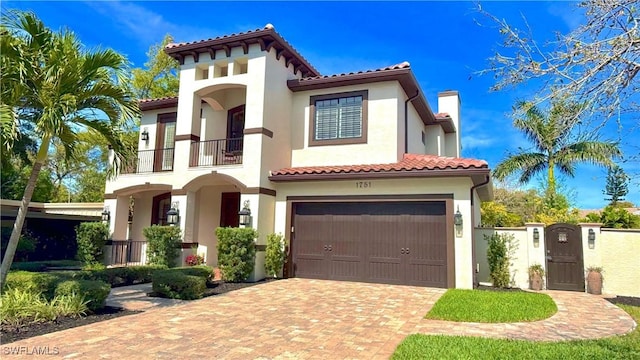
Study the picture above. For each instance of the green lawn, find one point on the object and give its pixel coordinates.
(467, 347)
(464, 347)
(492, 306)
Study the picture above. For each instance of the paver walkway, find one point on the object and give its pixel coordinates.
(294, 319)
(579, 316)
(135, 298)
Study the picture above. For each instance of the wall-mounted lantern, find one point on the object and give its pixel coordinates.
(536, 237)
(457, 221)
(106, 215)
(592, 239)
(145, 136)
(245, 214)
(173, 217)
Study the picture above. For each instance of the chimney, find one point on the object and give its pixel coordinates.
(449, 102)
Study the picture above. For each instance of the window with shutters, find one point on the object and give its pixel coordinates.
(338, 119)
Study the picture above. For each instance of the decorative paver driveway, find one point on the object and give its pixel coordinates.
(308, 319)
(287, 319)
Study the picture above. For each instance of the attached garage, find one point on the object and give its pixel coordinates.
(391, 242)
(383, 223)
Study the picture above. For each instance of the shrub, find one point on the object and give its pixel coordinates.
(236, 252)
(18, 306)
(499, 255)
(94, 292)
(178, 285)
(275, 256)
(37, 266)
(32, 282)
(91, 237)
(121, 276)
(202, 271)
(163, 244)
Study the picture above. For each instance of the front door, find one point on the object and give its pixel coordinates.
(235, 129)
(165, 142)
(564, 257)
(229, 208)
(160, 207)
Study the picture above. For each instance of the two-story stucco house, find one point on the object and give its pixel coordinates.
(360, 175)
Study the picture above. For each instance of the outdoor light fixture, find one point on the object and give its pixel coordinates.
(457, 221)
(145, 135)
(592, 239)
(106, 215)
(173, 218)
(536, 237)
(245, 214)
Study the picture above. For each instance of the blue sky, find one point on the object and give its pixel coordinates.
(442, 40)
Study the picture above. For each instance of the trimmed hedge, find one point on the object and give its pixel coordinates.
(37, 283)
(163, 244)
(43, 265)
(236, 252)
(122, 276)
(91, 237)
(176, 284)
(94, 292)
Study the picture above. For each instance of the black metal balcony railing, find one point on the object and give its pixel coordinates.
(216, 152)
(147, 161)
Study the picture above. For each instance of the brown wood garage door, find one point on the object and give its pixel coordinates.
(381, 242)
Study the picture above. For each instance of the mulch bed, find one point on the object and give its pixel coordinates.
(11, 333)
(625, 300)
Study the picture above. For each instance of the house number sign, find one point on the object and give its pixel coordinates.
(562, 237)
(363, 184)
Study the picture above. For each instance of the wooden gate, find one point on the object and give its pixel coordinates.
(565, 269)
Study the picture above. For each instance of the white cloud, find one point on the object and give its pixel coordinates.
(570, 14)
(474, 141)
(146, 26)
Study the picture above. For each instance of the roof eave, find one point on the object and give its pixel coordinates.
(404, 76)
(267, 38)
(477, 175)
(157, 104)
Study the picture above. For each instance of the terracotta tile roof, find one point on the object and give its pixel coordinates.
(442, 115)
(402, 65)
(409, 162)
(159, 103)
(267, 37)
(229, 36)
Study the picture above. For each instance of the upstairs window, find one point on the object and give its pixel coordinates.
(339, 119)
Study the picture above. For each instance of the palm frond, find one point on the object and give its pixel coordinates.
(519, 163)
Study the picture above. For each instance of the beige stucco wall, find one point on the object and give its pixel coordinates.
(459, 187)
(435, 140)
(620, 254)
(382, 129)
(615, 250)
(520, 260)
(148, 122)
(416, 129)
(450, 104)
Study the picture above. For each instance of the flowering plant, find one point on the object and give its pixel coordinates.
(194, 259)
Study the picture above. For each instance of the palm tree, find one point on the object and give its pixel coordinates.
(550, 134)
(52, 83)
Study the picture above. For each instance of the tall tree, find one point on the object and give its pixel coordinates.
(52, 82)
(617, 185)
(551, 135)
(596, 63)
(160, 76)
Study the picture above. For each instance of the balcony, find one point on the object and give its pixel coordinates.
(150, 161)
(216, 152)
